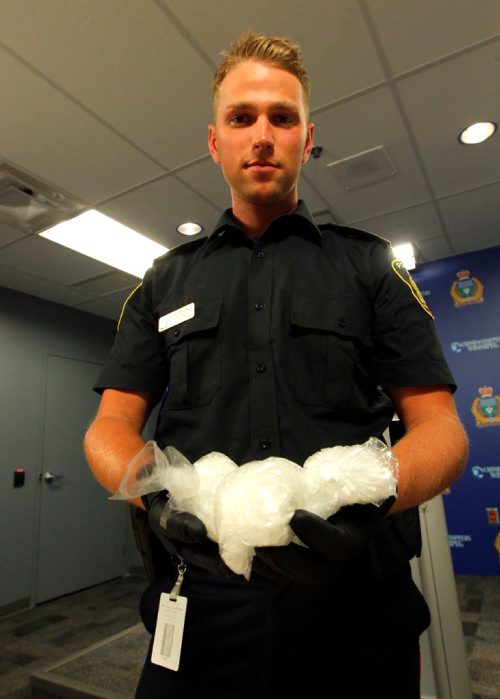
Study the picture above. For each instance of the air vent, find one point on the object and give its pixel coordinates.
(363, 169)
(31, 205)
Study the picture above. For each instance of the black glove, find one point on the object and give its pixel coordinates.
(283, 564)
(183, 535)
(331, 543)
(343, 535)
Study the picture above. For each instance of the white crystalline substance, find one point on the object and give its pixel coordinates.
(252, 505)
(212, 470)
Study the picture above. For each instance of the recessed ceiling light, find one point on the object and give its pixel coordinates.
(189, 228)
(405, 254)
(477, 133)
(108, 241)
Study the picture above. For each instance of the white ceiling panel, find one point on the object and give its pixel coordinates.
(9, 234)
(206, 177)
(50, 260)
(16, 279)
(356, 126)
(157, 208)
(473, 218)
(324, 29)
(118, 55)
(413, 224)
(107, 307)
(441, 102)
(446, 25)
(45, 133)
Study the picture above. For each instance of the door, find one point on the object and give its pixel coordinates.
(81, 533)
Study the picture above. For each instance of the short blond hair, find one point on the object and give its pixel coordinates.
(276, 50)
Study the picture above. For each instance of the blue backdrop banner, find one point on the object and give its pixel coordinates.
(463, 293)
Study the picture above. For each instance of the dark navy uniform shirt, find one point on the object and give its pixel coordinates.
(277, 346)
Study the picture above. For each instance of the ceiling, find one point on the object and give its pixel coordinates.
(107, 102)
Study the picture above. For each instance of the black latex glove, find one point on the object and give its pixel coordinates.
(331, 543)
(343, 535)
(183, 535)
(283, 564)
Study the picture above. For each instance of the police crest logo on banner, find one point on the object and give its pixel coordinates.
(466, 290)
(486, 408)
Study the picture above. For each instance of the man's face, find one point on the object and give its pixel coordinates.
(261, 136)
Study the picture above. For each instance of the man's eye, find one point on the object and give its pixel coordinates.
(284, 119)
(238, 119)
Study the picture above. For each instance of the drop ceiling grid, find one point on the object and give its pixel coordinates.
(157, 208)
(127, 66)
(43, 132)
(358, 125)
(440, 102)
(415, 33)
(337, 64)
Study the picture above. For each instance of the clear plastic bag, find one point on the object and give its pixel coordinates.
(252, 505)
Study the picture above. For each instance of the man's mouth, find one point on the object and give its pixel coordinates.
(261, 165)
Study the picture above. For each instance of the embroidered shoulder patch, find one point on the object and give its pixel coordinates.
(399, 268)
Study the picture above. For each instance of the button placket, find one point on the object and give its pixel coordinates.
(262, 391)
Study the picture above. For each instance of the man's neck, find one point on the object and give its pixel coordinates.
(256, 218)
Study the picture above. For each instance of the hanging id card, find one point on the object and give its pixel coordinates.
(167, 642)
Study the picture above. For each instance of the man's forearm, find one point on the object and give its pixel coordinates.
(109, 445)
(432, 456)
(114, 437)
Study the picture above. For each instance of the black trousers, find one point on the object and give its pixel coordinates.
(358, 635)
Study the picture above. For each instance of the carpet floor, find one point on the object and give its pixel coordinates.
(91, 643)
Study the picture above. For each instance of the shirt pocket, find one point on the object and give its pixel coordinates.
(194, 355)
(329, 346)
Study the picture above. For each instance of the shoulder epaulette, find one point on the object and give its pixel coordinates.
(355, 233)
(187, 247)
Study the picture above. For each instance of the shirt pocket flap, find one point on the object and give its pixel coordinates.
(205, 319)
(342, 316)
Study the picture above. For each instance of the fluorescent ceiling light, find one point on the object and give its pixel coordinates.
(477, 133)
(108, 241)
(405, 254)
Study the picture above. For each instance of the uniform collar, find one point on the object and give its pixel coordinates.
(301, 217)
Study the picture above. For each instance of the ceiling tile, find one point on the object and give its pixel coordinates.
(105, 306)
(157, 208)
(440, 102)
(473, 218)
(405, 226)
(123, 65)
(359, 125)
(46, 134)
(36, 286)
(324, 29)
(48, 260)
(9, 234)
(414, 33)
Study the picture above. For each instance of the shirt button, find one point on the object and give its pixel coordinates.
(261, 254)
(260, 368)
(176, 332)
(265, 443)
(259, 306)
(341, 323)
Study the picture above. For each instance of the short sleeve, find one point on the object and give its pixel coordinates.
(137, 361)
(407, 351)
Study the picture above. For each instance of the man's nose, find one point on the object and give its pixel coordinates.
(263, 136)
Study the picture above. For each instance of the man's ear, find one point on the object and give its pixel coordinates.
(212, 143)
(309, 143)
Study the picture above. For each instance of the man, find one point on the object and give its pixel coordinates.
(285, 338)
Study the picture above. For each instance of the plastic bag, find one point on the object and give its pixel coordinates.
(252, 505)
